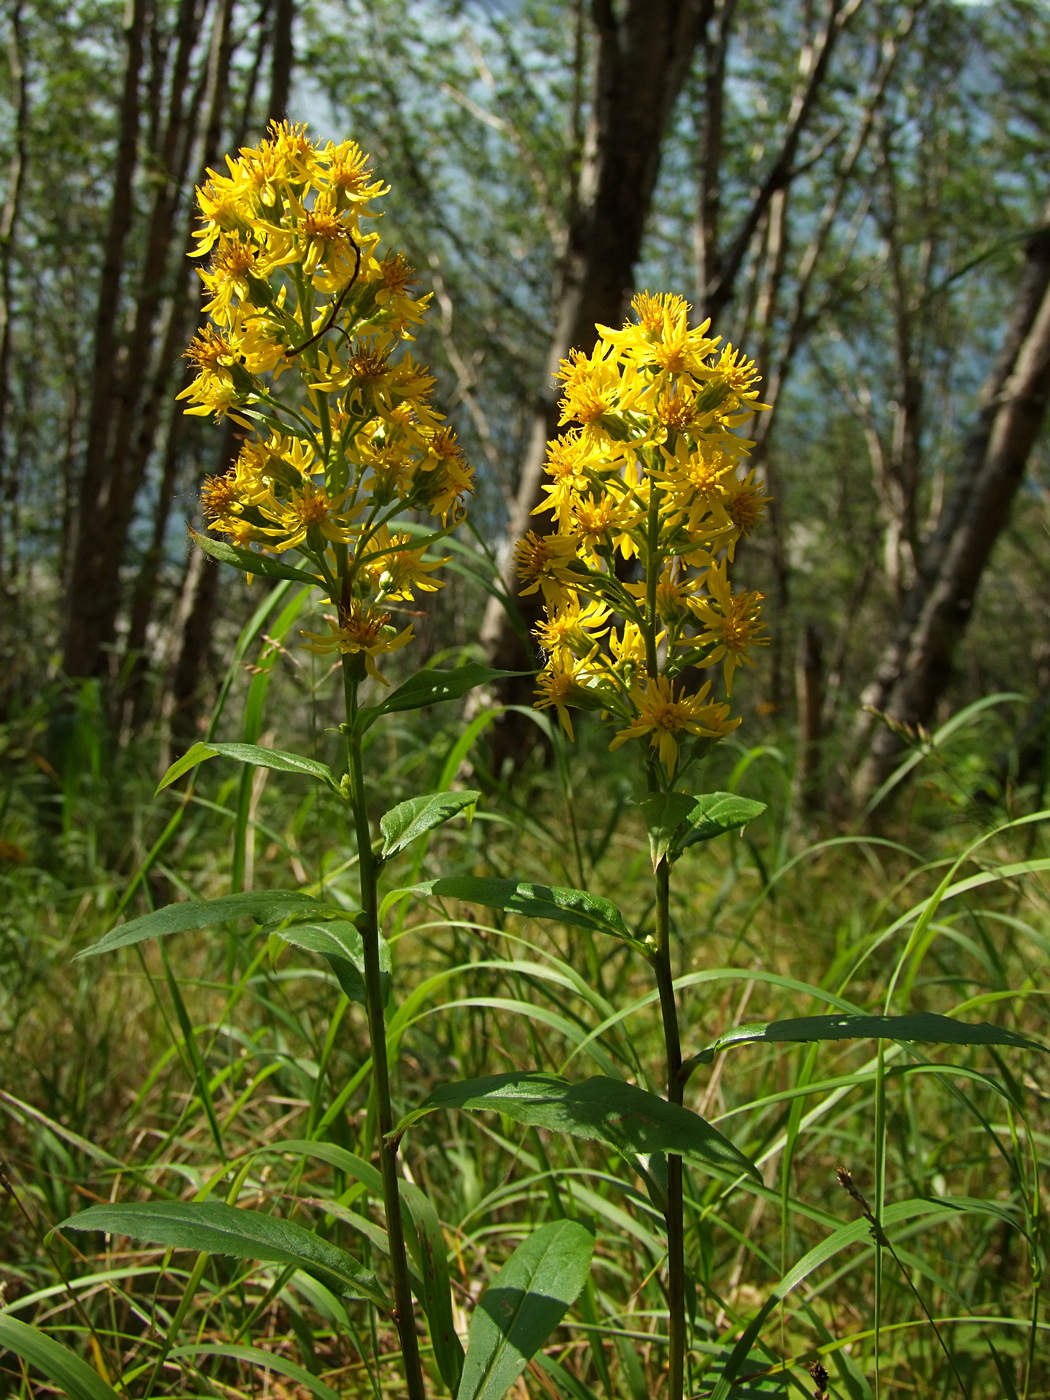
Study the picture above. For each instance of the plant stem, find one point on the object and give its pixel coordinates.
(674, 1216)
(368, 925)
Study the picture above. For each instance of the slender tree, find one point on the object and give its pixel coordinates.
(922, 655)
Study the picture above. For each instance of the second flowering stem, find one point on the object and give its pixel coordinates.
(674, 1214)
(368, 926)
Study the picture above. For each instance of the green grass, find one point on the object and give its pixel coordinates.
(188, 1068)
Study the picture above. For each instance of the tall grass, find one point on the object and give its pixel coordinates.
(224, 1070)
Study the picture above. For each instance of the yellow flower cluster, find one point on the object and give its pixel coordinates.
(306, 319)
(647, 503)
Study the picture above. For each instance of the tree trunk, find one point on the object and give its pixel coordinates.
(9, 476)
(921, 658)
(90, 559)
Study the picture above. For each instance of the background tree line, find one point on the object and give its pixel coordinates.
(855, 191)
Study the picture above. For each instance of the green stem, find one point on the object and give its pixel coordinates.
(368, 924)
(674, 1216)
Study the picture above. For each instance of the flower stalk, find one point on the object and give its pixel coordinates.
(674, 1215)
(368, 927)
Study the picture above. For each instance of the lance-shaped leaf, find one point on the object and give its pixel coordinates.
(216, 1228)
(73, 1376)
(340, 943)
(917, 1025)
(403, 823)
(431, 1256)
(431, 687)
(664, 813)
(252, 754)
(718, 812)
(425, 1241)
(266, 907)
(251, 563)
(576, 908)
(621, 1115)
(522, 1306)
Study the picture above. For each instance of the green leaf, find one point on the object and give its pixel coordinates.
(403, 823)
(426, 1242)
(340, 943)
(522, 1306)
(251, 563)
(266, 907)
(621, 1115)
(215, 1228)
(664, 813)
(576, 908)
(431, 687)
(249, 753)
(918, 1025)
(718, 812)
(72, 1375)
(432, 1258)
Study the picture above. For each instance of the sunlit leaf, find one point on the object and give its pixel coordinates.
(253, 754)
(249, 562)
(266, 907)
(717, 812)
(403, 823)
(216, 1228)
(576, 908)
(73, 1376)
(621, 1115)
(917, 1025)
(432, 687)
(264, 1360)
(522, 1306)
(340, 943)
(664, 812)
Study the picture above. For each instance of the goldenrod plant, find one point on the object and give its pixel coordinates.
(344, 464)
(647, 504)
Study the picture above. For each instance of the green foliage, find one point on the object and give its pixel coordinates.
(522, 1306)
(216, 1228)
(628, 1119)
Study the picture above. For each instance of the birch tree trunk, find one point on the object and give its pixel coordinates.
(920, 660)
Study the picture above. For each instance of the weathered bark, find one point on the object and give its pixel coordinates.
(134, 374)
(8, 221)
(920, 660)
(282, 59)
(641, 62)
(82, 649)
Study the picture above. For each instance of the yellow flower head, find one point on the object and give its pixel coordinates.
(360, 630)
(574, 628)
(566, 682)
(648, 471)
(548, 563)
(296, 292)
(730, 622)
(667, 718)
